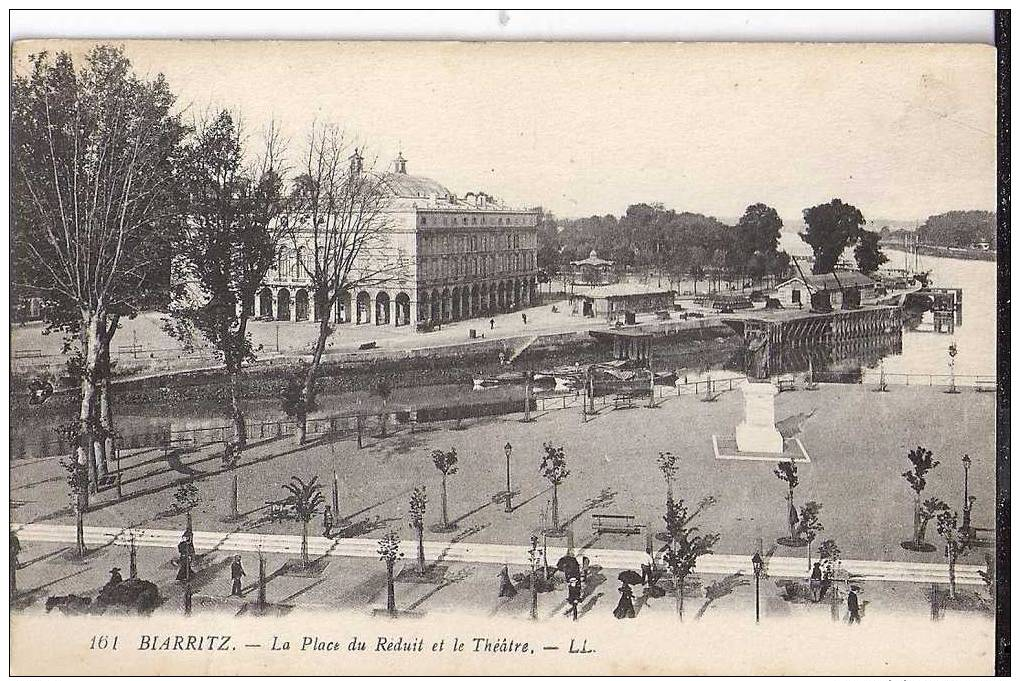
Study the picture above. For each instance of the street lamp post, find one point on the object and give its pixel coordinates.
(966, 494)
(508, 450)
(759, 566)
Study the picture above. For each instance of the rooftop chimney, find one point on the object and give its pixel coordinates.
(401, 163)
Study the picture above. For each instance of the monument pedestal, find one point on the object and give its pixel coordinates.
(758, 433)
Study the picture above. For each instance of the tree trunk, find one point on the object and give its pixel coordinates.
(534, 594)
(304, 542)
(446, 521)
(952, 578)
(105, 448)
(556, 508)
(918, 527)
(308, 392)
(421, 547)
(237, 411)
(391, 599)
(791, 516)
(91, 339)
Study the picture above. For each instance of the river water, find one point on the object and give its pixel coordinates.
(922, 352)
(925, 352)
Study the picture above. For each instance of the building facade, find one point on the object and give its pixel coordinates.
(446, 258)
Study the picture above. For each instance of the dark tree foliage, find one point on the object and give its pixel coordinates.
(831, 227)
(868, 254)
(230, 245)
(958, 228)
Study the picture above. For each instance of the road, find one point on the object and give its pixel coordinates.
(466, 552)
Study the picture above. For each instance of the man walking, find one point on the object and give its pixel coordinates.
(236, 573)
(816, 582)
(492, 324)
(853, 606)
(573, 594)
(327, 522)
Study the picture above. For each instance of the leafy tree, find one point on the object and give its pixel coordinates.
(77, 483)
(389, 551)
(831, 227)
(930, 508)
(668, 466)
(958, 228)
(185, 498)
(829, 554)
(719, 589)
(868, 253)
(304, 501)
(686, 545)
(787, 472)
(336, 220)
(809, 525)
(757, 240)
(95, 160)
(417, 513)
(231, 242)
(445, 463)
(294, 403)
(956, 538)
(922, 462)
(554, 468)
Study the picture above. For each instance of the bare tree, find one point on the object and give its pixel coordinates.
(94, 164)
(231, 242)
(336, 220)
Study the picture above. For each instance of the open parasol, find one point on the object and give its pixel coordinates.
(630, 577)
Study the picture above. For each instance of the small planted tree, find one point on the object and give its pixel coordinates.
(829, 555)
(686, 545)
(809, 525)
(78, 486)
(554, 468)
(922, 462)
(536, 557)
(668, 466)
(417, 513)
(787, 472)
(446, 464)
(389, 552)
(185, 498)
(956, 538)
(304, 501)
(295, 405)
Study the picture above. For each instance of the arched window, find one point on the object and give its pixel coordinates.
(508, 241)
(517, 242)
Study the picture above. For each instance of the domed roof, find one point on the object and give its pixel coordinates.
(413, 186)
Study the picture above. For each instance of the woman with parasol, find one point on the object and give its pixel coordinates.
(625, 608)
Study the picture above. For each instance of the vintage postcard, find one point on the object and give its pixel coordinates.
(503, 358)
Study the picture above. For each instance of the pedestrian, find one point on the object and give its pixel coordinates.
(647, 575)
(506, 587)
(186, 555)
(853, 606)
(492, 324)
(115, 577)
(815, 582)
(524, 318)
(826, 582)
(236, 572)
(625, 608)
(573, 594)
(15, 549)
(327, 522)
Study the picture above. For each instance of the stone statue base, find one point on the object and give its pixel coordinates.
(758, 433)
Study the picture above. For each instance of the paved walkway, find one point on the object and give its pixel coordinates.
(465, 552)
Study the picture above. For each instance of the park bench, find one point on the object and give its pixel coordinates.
(785, 384)
(985, 386)
(25, 354)
(367, 346)
(662, 314)
(276, 510)
(615, 524)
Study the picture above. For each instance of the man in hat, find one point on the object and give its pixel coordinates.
(853, 605)
(327, 522)
(115, 577)
(573, 594)
(236, 572)
(816, 582)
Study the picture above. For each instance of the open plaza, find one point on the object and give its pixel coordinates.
(855, 440)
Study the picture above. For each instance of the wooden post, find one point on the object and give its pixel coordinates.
(336, 495)
(186, 558)
(132, 559)
(260, 603)
(233, 499)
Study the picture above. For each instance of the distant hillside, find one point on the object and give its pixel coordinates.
(958, 229)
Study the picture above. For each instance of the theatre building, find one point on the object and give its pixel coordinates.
(451, 257)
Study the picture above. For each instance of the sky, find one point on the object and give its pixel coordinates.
(900, 131)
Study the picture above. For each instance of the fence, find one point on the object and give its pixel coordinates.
(875, 377)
